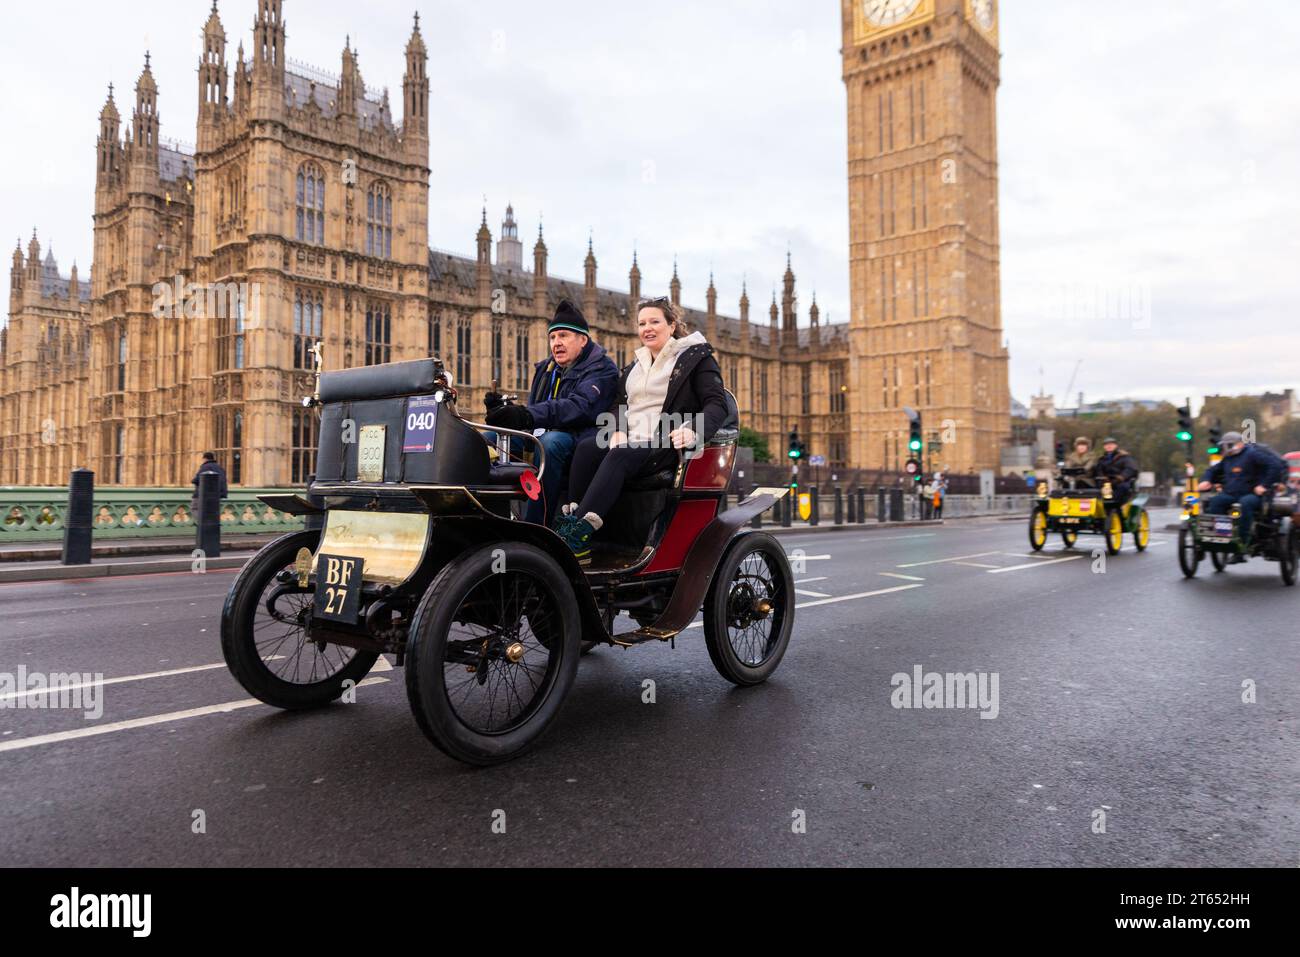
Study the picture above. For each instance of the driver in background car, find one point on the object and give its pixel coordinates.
(1246, 472)
(1083, 457)
(571, 389)
(1117, 467)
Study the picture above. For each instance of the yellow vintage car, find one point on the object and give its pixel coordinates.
(1073, 509)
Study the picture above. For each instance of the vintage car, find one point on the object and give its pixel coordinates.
(1273, 535)
(413, 549)
(1074, 507)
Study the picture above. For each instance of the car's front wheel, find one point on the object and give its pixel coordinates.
(492, 652)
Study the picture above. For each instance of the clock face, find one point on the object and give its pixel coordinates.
(886, 13)
(982, 10)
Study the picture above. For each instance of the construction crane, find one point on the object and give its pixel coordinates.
(1069, 388)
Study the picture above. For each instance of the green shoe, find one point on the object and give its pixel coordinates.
(576, 534)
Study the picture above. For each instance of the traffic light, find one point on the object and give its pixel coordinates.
(1184, 433)
(796, 449)
(1060, 451)
(1216, 435)
(914, 439)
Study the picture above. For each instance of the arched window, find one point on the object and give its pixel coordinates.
(379, 329)
(379, 221)
(308, 309)
(121, 362)
(310, 201)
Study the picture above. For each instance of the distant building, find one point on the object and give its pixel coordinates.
(1042, 407)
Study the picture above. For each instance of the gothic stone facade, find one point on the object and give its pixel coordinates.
(302, 215)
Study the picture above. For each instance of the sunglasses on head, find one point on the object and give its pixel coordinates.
(657, 303)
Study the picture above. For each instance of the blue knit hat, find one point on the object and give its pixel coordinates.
(569, 316)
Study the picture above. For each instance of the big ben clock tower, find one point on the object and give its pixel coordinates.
(926, 324)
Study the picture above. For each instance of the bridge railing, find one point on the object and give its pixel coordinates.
(36, 514)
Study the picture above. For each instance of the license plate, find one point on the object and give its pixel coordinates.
(370, 453)
(338, 588)
(1223, 526)
(1067, 520)
(1085, 507)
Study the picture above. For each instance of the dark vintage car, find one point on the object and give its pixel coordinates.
(1273, 535)
(413, 549)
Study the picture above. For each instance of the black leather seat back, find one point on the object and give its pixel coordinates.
(387, 381)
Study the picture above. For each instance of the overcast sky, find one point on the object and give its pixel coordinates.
(1149, 155)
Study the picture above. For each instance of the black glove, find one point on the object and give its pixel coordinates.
(493, 401)
(515, 417)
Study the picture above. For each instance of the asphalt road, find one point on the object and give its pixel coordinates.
(1119, 701)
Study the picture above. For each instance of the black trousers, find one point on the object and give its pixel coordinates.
(598, 474)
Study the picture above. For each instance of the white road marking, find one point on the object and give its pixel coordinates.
(831, 601)
(805, 581)
(865, 594)
(809, 558)
(906, 578)
(224, 708)
(811, 594)
(940, 561)
(976, 565)
(1053, 561)
(115, 681)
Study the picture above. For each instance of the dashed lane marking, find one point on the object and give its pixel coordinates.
(976, 565)
(906, 578)
(805, 581)
(831, 601)
(223, 708)
(940, 561)
(1050, 561)
(811, 594)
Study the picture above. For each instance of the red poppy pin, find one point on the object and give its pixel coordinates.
(528, 482)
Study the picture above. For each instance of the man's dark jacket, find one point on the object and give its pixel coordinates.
(695, 388)
(221, 475)
(1253, 465)
(585, 390)
(1117, 466)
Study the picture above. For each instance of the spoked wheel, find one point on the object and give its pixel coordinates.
(1289, 558)
(749, 610)
(1189, 556)
(492, 653)
(1219, 560)
(1038, 530)
(1142, 531)
(264, 638)
(1069, 537)
(1114, 532)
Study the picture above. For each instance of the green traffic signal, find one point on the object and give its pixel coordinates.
(914, 445)
(1184, 436)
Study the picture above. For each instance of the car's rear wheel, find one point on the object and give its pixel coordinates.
(264, 638)
(1038, 530)
(1289, 558)
(749, 610)
(1114, 532)
(1219, 560)
(1189, 556)
(1142, 531)
(492, 653)
(1069, 537)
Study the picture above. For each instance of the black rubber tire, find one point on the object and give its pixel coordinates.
(1189, 557)
(1141, 520)
(1069, 538)
(1113, 542)
(239, 643)
(1037, 534)
(426, 651)
(716, 633)
(1290, 559)
(1219, 560)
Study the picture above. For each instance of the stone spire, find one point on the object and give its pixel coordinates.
(675, 287)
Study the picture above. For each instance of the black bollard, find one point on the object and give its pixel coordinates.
(895, 504)
(207, 536)
(882, 510)
(78, 527)
(839, 506)
(814, 505)
(787, 510)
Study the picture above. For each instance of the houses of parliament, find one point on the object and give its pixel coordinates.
(301, 215)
